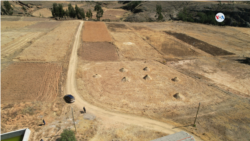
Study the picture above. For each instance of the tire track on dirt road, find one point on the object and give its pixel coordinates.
(103, 114)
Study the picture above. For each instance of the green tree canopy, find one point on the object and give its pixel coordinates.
(158, 12)
(8, 9)
(99, 10)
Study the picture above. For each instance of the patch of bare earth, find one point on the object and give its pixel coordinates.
(45, 25)
(100, 51)
(95, 32)
(45, 12)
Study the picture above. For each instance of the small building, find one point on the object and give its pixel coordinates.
(18, 135)
(179, 136)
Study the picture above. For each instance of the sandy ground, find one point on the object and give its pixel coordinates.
(45, 12)
(112, 14)
(95, 32)
(44, 49)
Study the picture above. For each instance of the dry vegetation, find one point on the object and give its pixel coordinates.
(23, 82)
(51, 47)
(11, 25)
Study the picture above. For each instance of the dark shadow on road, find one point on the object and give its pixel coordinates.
(244, 61)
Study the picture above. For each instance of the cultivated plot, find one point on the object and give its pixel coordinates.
(95, 32)
(165, 44)
(23, 82)
(50, 47)
(11, 25)
(44, 25)
(133, 47)
(100, 51)
(17, 44)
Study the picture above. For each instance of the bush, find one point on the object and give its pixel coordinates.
(158, 12)
(8, 10)
(185, 15)
(67, 135)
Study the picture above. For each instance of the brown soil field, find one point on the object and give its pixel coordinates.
(45, 25)
(131, 47)
(50, 47)
(18, 43)
(215, 51)
(11, 25)
(114, 27)
(98, 52)
(45, 12)
(23, 82)
(164, 43)
(95, 32)
(227, 38)
(35, 19)
(112, 14)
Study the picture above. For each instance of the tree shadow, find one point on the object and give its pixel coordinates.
(40, 124)
(244, 61)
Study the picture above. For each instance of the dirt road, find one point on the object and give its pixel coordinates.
(103, 114)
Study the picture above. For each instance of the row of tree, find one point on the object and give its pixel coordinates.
(7, 9)
(58, 11)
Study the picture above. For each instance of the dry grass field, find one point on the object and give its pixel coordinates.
(45, 12)
(13, 25)
(23, 82)
(95, 32)
(51, 47)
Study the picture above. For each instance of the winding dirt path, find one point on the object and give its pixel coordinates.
(103, 114)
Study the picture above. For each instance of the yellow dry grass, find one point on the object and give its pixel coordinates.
(45, 12)
(15, 24)
(53, 46)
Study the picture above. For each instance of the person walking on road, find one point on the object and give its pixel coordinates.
(43, 121)
(84, 110)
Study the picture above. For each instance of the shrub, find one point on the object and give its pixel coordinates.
(158, 12)
(8, 10)
(67, 135)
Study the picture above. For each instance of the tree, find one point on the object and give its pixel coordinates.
(8, 9)
(82, 13)
(61, 12)
(72, 12)
(77, 12)
(54, 10)
(158, 12)
(99, 10)
(68, 135)
(89, 14)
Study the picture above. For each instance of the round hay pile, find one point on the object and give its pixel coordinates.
(146, 69)
(147, 77)
(177, 96)
(123, 70)
(97, 76)
(125, 79)
(175, 79)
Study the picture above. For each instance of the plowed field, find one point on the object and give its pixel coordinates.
(95, 32)
(22, 82)
(98, 52)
